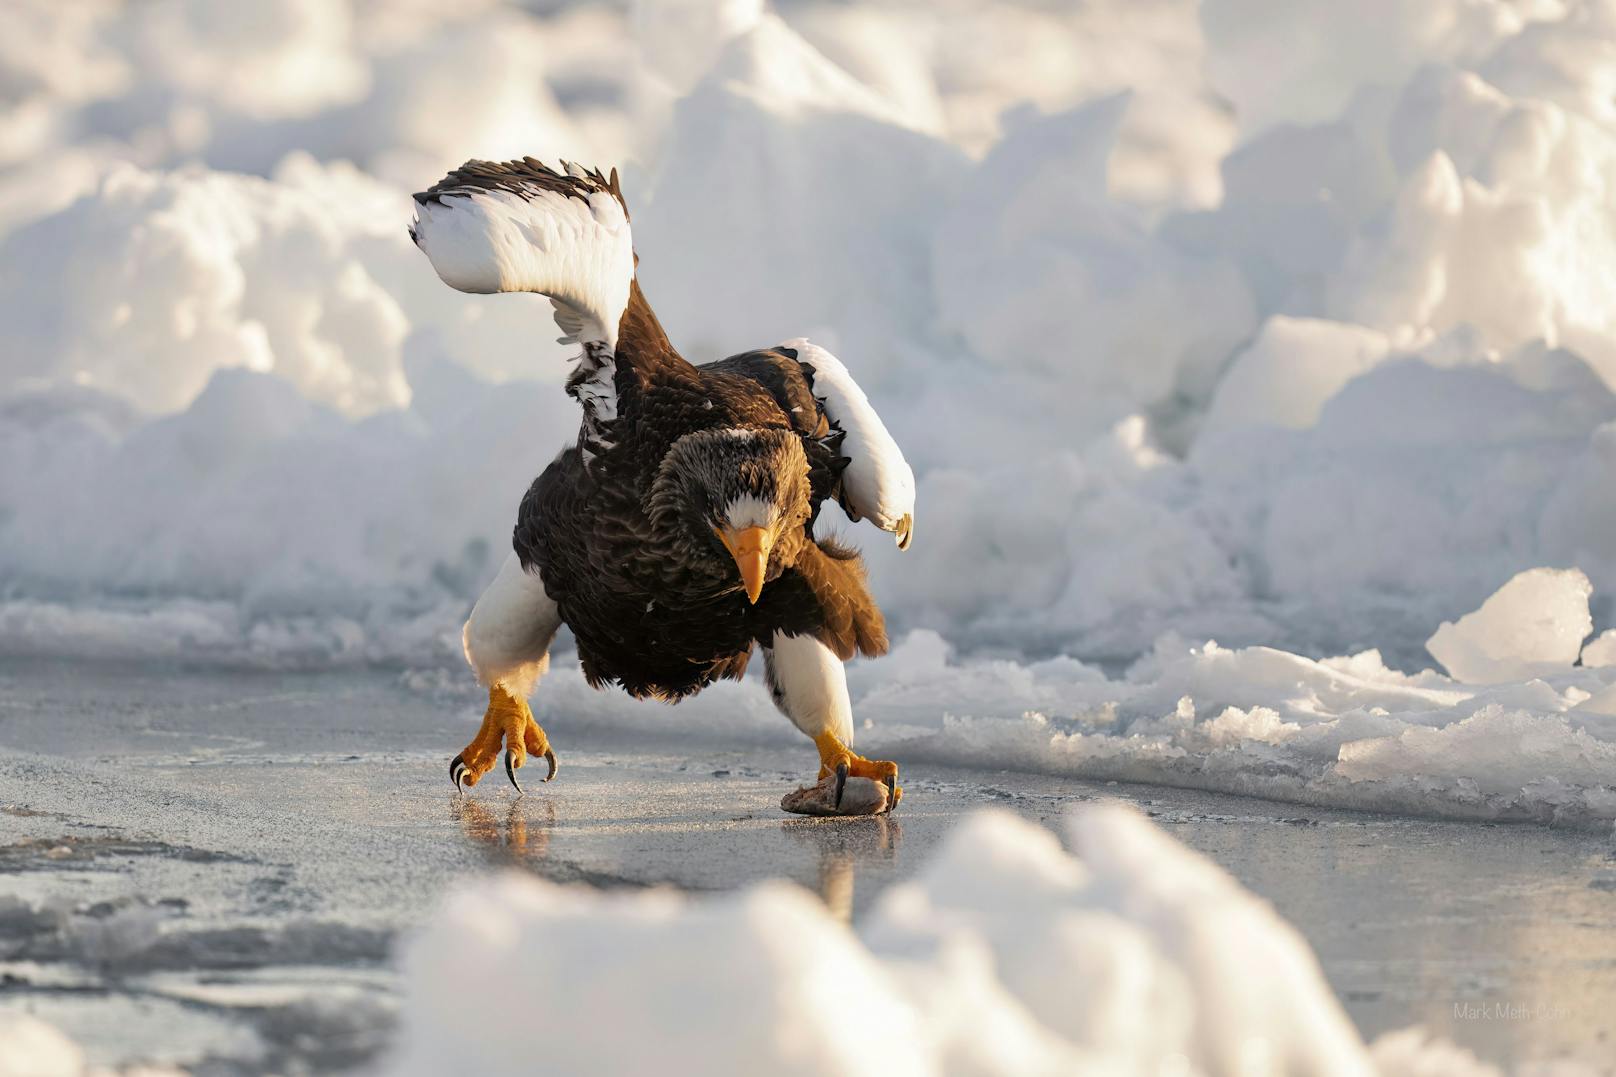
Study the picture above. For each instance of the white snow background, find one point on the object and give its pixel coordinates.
(1285, 325)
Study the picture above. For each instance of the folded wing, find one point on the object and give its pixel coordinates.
(877, 483)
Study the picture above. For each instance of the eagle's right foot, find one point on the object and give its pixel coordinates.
(836, 758)
(509, 721)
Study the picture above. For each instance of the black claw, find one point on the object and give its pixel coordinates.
(510, 772)
(892, 792)
(841, 783)
(549, 757)
(457, 770)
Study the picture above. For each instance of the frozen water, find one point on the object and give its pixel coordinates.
(30, 1047)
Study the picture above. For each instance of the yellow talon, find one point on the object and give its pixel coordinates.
(507, 721)
(836, 758)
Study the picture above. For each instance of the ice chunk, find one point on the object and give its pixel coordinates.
(1532, 626)
(1601, 650)
(846, 265)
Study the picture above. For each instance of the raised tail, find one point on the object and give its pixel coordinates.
(521, 226)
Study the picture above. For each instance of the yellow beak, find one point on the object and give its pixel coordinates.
(750, 548)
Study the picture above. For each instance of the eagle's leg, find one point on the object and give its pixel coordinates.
(508, 720)
(809, 685)
(507, 641)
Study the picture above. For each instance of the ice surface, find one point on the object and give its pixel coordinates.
(1007, 955)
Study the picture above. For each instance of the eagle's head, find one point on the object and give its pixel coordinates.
(732, 494)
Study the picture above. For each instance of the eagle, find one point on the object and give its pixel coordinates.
(676, 535)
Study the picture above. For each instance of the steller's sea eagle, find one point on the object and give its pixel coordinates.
(678, 532)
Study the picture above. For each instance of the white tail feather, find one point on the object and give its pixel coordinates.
(534, 231)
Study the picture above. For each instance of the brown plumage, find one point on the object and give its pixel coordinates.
(677, 533)
(654, 602)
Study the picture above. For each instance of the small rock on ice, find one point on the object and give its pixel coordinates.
(860, 796)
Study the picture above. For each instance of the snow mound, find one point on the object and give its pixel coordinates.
(1285, 376)
(1007, 955)
(148, 285)
(775, 123)
(1532, 626)
(1036, 268)
(1303, 62)
(1341, 732)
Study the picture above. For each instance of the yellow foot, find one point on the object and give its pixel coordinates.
(508, 721)
(836, 758)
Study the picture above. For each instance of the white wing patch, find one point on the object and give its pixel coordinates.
(578, 251)
(878, 481)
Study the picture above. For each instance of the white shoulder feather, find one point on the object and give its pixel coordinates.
(878, 482)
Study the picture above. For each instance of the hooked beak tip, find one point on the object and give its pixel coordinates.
(749, 546)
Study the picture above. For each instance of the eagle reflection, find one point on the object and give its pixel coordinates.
(842, 845)
(515, 838)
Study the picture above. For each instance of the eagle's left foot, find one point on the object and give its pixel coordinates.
(836, 758)
(509, 721)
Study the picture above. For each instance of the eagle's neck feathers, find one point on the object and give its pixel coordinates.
(640, 354)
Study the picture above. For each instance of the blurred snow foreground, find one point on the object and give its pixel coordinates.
(30, 1047)
(1308, 361)
(1006, 956)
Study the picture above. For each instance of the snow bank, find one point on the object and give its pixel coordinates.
(145, 287)
(1342, 732)
(1006, 955)
(773, 124)
(1136, 319)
